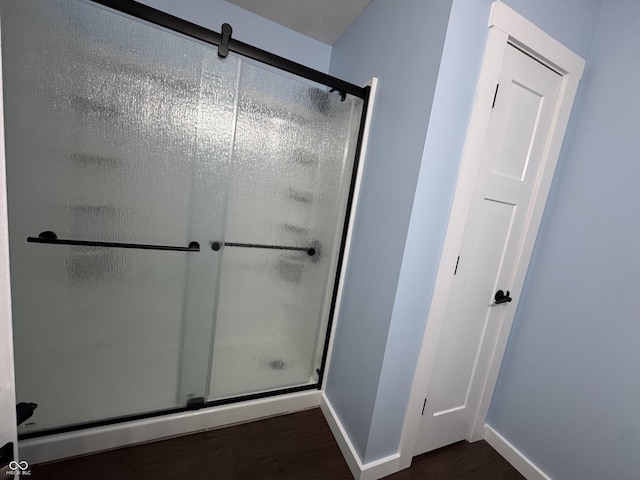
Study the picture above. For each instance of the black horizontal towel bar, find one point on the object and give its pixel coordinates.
(52, 238)
(310, 250)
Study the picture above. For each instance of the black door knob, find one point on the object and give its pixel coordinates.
(501, 297)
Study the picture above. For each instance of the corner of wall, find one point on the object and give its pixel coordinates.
(361, 471)
(515, 457)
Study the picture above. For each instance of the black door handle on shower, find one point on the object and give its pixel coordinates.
(311, 251)
(52, 239)
(501, 297)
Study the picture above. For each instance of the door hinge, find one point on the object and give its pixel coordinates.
(424, 405)
(495, 95)
(457, 262)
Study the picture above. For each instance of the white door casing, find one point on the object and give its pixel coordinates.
(505, 27)
(489, 256)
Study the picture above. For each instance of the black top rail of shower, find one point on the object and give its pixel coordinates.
(162, 19)
(311, 251)
(52, 238)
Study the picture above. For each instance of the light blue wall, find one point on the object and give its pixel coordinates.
(364, 328)
(461, 59)
(400, 43)
(249, 28)
(568, 395)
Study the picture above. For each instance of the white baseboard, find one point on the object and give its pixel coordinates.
(512, 455)
(360, 471)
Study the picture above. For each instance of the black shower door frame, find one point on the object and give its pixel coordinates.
(178, 25)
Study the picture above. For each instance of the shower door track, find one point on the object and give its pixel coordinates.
(170, 22)
(145, 416)
(162, 19)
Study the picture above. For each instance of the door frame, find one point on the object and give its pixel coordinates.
(505, 26)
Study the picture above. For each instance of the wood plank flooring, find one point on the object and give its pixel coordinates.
(298, 446)
(460, 461)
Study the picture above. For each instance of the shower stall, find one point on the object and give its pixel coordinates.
(177, 215)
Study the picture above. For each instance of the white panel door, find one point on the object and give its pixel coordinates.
(497, 225)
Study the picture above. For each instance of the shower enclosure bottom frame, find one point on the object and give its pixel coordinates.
(93, 440)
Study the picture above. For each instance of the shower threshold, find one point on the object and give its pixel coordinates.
(99, 436)
(193, 404)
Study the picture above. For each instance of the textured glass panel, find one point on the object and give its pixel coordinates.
(209, 183)
(117, 131)
(263, 339)
(289, 182)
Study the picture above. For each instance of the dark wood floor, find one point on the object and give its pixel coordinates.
(460, 461)
(291, 447)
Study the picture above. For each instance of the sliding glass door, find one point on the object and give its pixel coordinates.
(293, 154)
(120, 132)
(175, 218)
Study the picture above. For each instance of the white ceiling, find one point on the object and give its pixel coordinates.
(324, 20)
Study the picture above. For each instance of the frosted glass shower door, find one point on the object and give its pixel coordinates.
(117, 132)
(289, 184)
